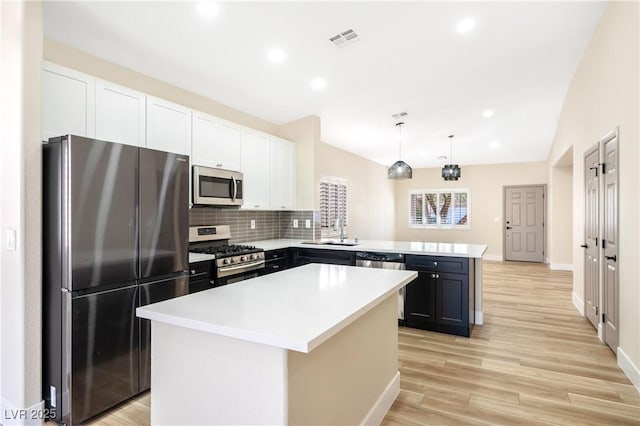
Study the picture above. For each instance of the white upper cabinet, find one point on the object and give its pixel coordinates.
(120, 114)
(230, 145)
(68, 102)
(168, 126)
(283, 160)
(256, 170)
(215, 143)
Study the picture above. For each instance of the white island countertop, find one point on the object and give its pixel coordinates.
(403, 247)
(296, 309)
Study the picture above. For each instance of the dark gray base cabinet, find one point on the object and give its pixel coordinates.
(442, 298)
(303, 256)
(200, 276)
(276, 261)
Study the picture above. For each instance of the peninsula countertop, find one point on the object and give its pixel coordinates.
(297, 309)
(403, 247)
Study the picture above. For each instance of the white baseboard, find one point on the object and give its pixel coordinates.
(384, 402)
(561, 266)
(479, 317)
(629, 368)
(13, 416)
(579, 303)
(547, 260)
(492, 257)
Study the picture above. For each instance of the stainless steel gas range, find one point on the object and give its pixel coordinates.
(231, 262)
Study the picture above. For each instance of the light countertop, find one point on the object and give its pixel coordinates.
(404, 247)
(295, 309)
(200, 257)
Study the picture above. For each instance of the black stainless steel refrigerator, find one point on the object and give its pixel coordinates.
(115, 237)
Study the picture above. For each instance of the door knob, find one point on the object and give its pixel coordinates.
(614, 258)
(508, 227)
(584, 246)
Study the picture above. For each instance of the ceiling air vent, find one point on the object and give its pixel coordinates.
(399, 115)
(344, 38)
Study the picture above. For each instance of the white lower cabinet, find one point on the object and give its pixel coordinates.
(120, 114)
(256, 169)
(68, 102)
(168, 126)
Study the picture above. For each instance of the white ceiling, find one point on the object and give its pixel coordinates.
(518, 61)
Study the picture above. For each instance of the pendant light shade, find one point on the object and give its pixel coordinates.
(400, 169)
(451, 171)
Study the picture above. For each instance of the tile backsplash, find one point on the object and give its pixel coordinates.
(269, 225)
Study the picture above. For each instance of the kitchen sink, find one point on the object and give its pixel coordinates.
(332, 242)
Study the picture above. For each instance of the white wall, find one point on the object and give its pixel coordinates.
(485, 183)
(306, 133)
(605, 94)
(370, 194)
(560, 208)
(20, 270)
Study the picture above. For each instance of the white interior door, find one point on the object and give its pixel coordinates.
(591, 232)
(610, 283)
(524, 223)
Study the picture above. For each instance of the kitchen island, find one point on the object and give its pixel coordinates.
(313, 344)
(472, 252)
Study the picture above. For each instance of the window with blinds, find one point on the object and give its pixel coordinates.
(333, 205)
(439, 208)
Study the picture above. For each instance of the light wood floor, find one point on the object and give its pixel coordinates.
(534, 361)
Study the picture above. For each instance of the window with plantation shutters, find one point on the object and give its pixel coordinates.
(439, 209)
(333, 205)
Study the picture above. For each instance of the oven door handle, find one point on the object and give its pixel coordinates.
(243, 266)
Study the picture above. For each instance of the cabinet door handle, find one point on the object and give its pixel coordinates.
(193, 272)
(435, 263)
(584, 246)
(437, 275)
(614, 258)
(433, 275)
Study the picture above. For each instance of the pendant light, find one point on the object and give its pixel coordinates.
(400, 169)
(451, 171)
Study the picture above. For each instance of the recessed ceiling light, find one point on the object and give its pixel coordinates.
(207, 9)
(276, 55)
(494, 144)
(466, 25)
(318, 83)
(487, 113)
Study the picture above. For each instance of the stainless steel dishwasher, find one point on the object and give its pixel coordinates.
(384, 261)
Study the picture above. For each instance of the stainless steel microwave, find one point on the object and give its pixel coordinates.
(216, 187)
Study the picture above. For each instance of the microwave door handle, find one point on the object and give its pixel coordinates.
(235, 189)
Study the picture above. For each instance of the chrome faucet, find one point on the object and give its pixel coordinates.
(340, 224)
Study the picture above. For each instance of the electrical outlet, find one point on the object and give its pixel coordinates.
(307, 223)
(295, 223)
(253, 224)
